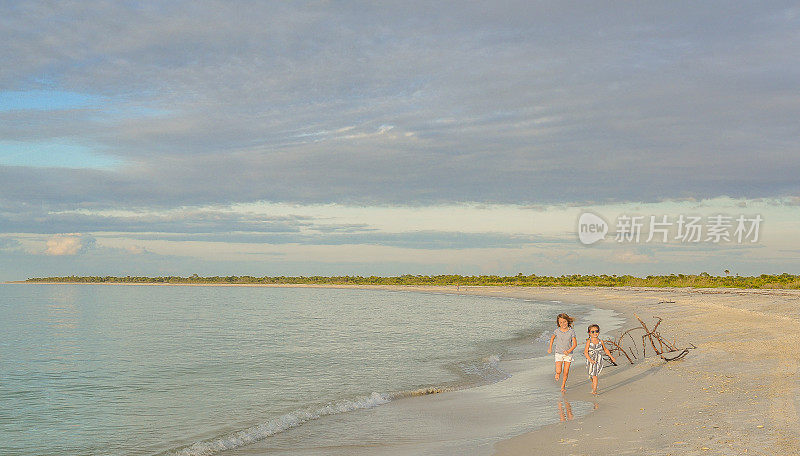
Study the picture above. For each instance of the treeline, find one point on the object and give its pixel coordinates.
(703, 280)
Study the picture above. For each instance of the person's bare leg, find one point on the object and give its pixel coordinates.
(558, 369)
(566, 373)
(594, 384)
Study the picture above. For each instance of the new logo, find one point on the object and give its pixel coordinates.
(591, 228)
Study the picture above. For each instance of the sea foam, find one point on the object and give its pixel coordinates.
(290, 420)
(488, 370)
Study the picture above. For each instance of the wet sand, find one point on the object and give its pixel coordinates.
(465, 421)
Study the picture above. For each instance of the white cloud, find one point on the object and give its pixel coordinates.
(135, 249)
(69, 244)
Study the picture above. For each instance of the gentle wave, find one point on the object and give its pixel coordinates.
(488, 370)
(280, 424)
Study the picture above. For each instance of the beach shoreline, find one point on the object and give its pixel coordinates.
(737, 393)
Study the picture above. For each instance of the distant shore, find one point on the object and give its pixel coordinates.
(737, 393)
(702, 280)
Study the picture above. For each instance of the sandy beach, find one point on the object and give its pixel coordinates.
(737, 393)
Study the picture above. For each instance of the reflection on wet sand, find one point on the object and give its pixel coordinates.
(564, 410)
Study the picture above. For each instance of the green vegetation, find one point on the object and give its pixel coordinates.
(703, 280)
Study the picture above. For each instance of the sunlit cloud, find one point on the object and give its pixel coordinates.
(69, 244)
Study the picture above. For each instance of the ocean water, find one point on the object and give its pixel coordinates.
(180, 370)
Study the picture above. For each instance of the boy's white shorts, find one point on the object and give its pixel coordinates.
(562, 357)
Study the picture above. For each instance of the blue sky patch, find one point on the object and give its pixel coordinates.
(45, 100)
(52, 154)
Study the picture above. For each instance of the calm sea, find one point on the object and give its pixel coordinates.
(146, 370)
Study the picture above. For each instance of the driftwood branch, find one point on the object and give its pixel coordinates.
(668, 351)
(673, 355)
(648, 334)
(616, 347)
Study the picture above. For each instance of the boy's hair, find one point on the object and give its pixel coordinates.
(565, 317)
(589, 329)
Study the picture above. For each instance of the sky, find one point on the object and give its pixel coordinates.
(386, 138)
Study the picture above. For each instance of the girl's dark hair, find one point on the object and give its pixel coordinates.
(589, 329)
(565, 317)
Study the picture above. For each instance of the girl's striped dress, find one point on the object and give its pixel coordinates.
(595, 353)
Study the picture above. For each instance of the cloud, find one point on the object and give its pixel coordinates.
(175, 220)
(530, 104)
(211, 104)
(426, 240)
(69, 244)
(8, 244)
(135, 249)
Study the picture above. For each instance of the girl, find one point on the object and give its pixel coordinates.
(594, 354)
(564, 336)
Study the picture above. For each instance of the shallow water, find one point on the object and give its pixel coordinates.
(87, 369)
(465, 422)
